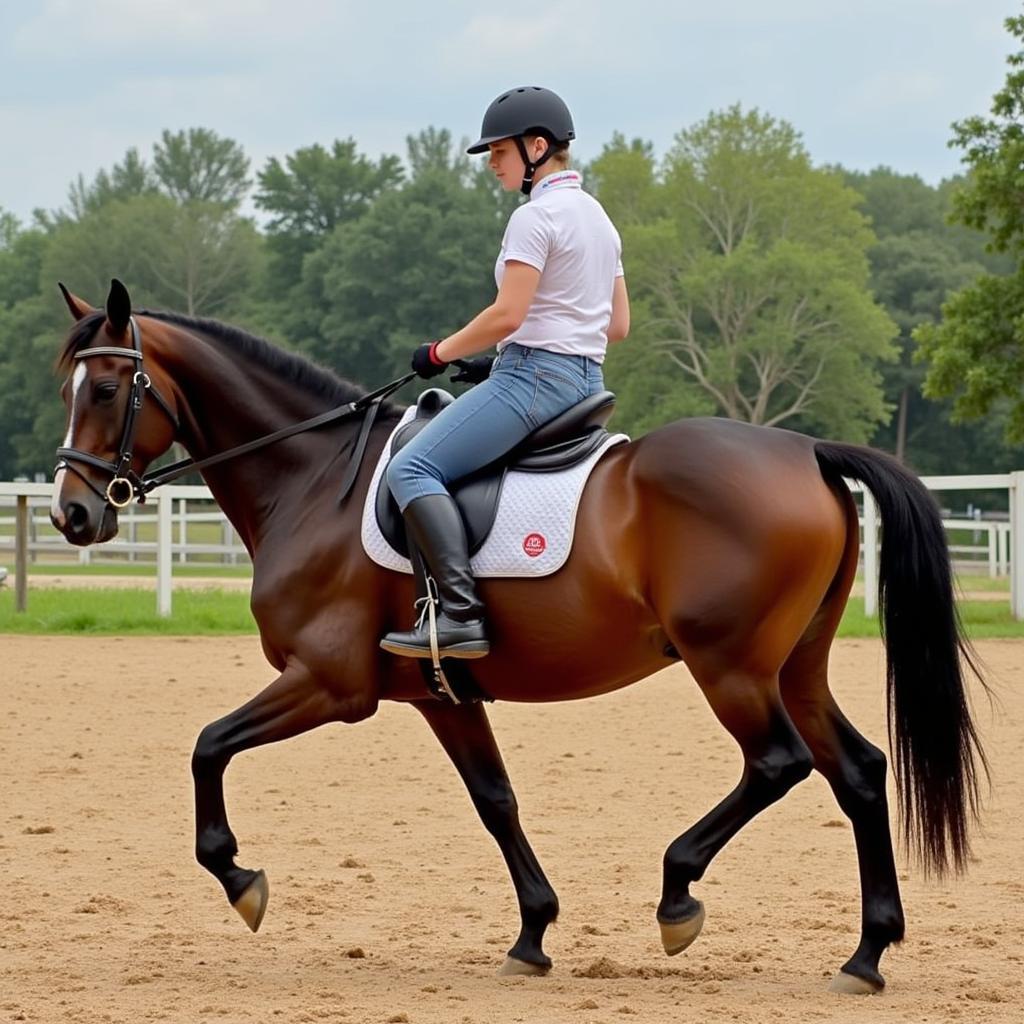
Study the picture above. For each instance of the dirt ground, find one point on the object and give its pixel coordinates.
(389, 902)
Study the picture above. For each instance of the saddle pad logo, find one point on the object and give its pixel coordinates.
(534, 544)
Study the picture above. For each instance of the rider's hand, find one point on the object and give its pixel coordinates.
(426, 362)
(473, 371)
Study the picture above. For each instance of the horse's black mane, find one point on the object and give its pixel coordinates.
(289, 366)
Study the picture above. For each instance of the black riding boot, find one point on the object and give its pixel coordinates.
(435, 526)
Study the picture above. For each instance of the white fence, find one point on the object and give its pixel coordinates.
(160, 531)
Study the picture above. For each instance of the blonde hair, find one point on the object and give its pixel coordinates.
(559, 150)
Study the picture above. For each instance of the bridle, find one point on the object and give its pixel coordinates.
(126, 485)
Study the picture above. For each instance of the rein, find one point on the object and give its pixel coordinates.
(126, 485)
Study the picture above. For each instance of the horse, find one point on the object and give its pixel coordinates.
(730, 547)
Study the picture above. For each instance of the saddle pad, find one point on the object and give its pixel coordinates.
(532, 532)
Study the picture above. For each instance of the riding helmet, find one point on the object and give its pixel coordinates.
(528, 110)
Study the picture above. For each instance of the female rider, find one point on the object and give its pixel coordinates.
(561, 298)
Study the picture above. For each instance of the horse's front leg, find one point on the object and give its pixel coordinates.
(294, 703)
(465, 734)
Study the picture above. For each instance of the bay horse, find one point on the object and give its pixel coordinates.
(728, 546)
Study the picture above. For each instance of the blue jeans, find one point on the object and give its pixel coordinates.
(526, 388)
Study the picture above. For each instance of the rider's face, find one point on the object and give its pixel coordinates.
(506, 164)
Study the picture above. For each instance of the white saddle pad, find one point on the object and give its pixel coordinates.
(532, 533)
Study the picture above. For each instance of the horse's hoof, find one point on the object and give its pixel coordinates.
(512, 966)
(677, 935)
(852, 985)
(252, 904)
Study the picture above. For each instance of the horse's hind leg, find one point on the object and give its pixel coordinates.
(292, 704)
(466, 736)
(855, 769)
(774, 759)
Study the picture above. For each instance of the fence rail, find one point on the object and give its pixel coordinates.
(183, 525)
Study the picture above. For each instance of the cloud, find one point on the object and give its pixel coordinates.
(110, 27)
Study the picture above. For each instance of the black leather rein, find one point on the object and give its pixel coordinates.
(126, 485)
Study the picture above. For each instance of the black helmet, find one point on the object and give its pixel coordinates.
(528, 110)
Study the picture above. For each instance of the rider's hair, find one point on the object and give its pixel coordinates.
(559, 151)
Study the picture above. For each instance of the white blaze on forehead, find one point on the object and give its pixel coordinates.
(77, 380)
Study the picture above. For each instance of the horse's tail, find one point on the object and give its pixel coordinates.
(936, 748)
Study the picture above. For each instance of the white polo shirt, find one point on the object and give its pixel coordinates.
(565, 234)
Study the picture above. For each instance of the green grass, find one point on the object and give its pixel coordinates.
(123, 612)
(982, 620)
(137, 569)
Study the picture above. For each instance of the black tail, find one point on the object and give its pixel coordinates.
(935, 745)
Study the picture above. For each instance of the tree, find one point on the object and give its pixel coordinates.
(752, 272)
(976, 352)
(418, 264)
(312, 193)
(126, 180)
(198, 165)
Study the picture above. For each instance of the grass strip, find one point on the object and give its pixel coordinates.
(124, 612)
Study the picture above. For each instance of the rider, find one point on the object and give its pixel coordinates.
(561, 298)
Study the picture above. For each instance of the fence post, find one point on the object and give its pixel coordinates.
(870, 554)
(164, 510)
(21, 554)
(1017, 544)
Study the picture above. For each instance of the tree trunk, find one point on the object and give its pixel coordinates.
(901, 424)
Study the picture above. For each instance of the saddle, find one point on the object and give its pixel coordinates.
(560, 443)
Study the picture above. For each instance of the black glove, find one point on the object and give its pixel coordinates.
(473, 371)
(425, 361)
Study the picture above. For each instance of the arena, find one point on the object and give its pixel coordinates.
(389, 902)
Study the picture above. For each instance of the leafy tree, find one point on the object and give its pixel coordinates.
(313, 192)
(751, 270)
(21, 254)
(126, 180)
(417, 265)
(200, 258)
(977, 351)
(31, 415)
(198, 165)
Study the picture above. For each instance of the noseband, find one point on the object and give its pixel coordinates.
(125, 483)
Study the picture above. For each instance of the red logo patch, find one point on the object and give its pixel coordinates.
(534, 544)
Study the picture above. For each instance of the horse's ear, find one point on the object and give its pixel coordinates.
(119, 308)
(79, 307)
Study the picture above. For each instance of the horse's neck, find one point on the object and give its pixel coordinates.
(227, 404)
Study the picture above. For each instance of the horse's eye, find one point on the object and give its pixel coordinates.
(106, 391)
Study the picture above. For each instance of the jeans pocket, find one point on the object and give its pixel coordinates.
(553, 394)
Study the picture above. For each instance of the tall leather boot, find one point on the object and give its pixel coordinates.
(435, 526)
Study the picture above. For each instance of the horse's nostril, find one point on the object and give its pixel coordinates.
(77, 517)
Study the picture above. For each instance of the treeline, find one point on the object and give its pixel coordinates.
(764, 287)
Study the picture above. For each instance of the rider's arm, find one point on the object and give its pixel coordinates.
(618, 326)
(499, 319)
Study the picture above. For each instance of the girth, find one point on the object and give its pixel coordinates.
(558, 444)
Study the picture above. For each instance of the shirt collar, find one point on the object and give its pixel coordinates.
(553, 182)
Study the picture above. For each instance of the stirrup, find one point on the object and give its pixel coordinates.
(429, 611)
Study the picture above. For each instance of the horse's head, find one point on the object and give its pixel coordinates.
(113, 432)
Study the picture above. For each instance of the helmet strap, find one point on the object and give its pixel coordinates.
(531, 165)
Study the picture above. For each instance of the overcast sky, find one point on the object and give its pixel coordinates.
(868, 82)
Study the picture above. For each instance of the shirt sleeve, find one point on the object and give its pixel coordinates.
(527, 238)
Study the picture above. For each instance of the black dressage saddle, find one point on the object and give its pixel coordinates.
(558, 444)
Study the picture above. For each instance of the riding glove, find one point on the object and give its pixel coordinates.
(473, 371)
(426, 362)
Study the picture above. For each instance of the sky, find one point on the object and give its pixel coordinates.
(867, 83)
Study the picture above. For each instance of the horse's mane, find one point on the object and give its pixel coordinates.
(289, 366)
